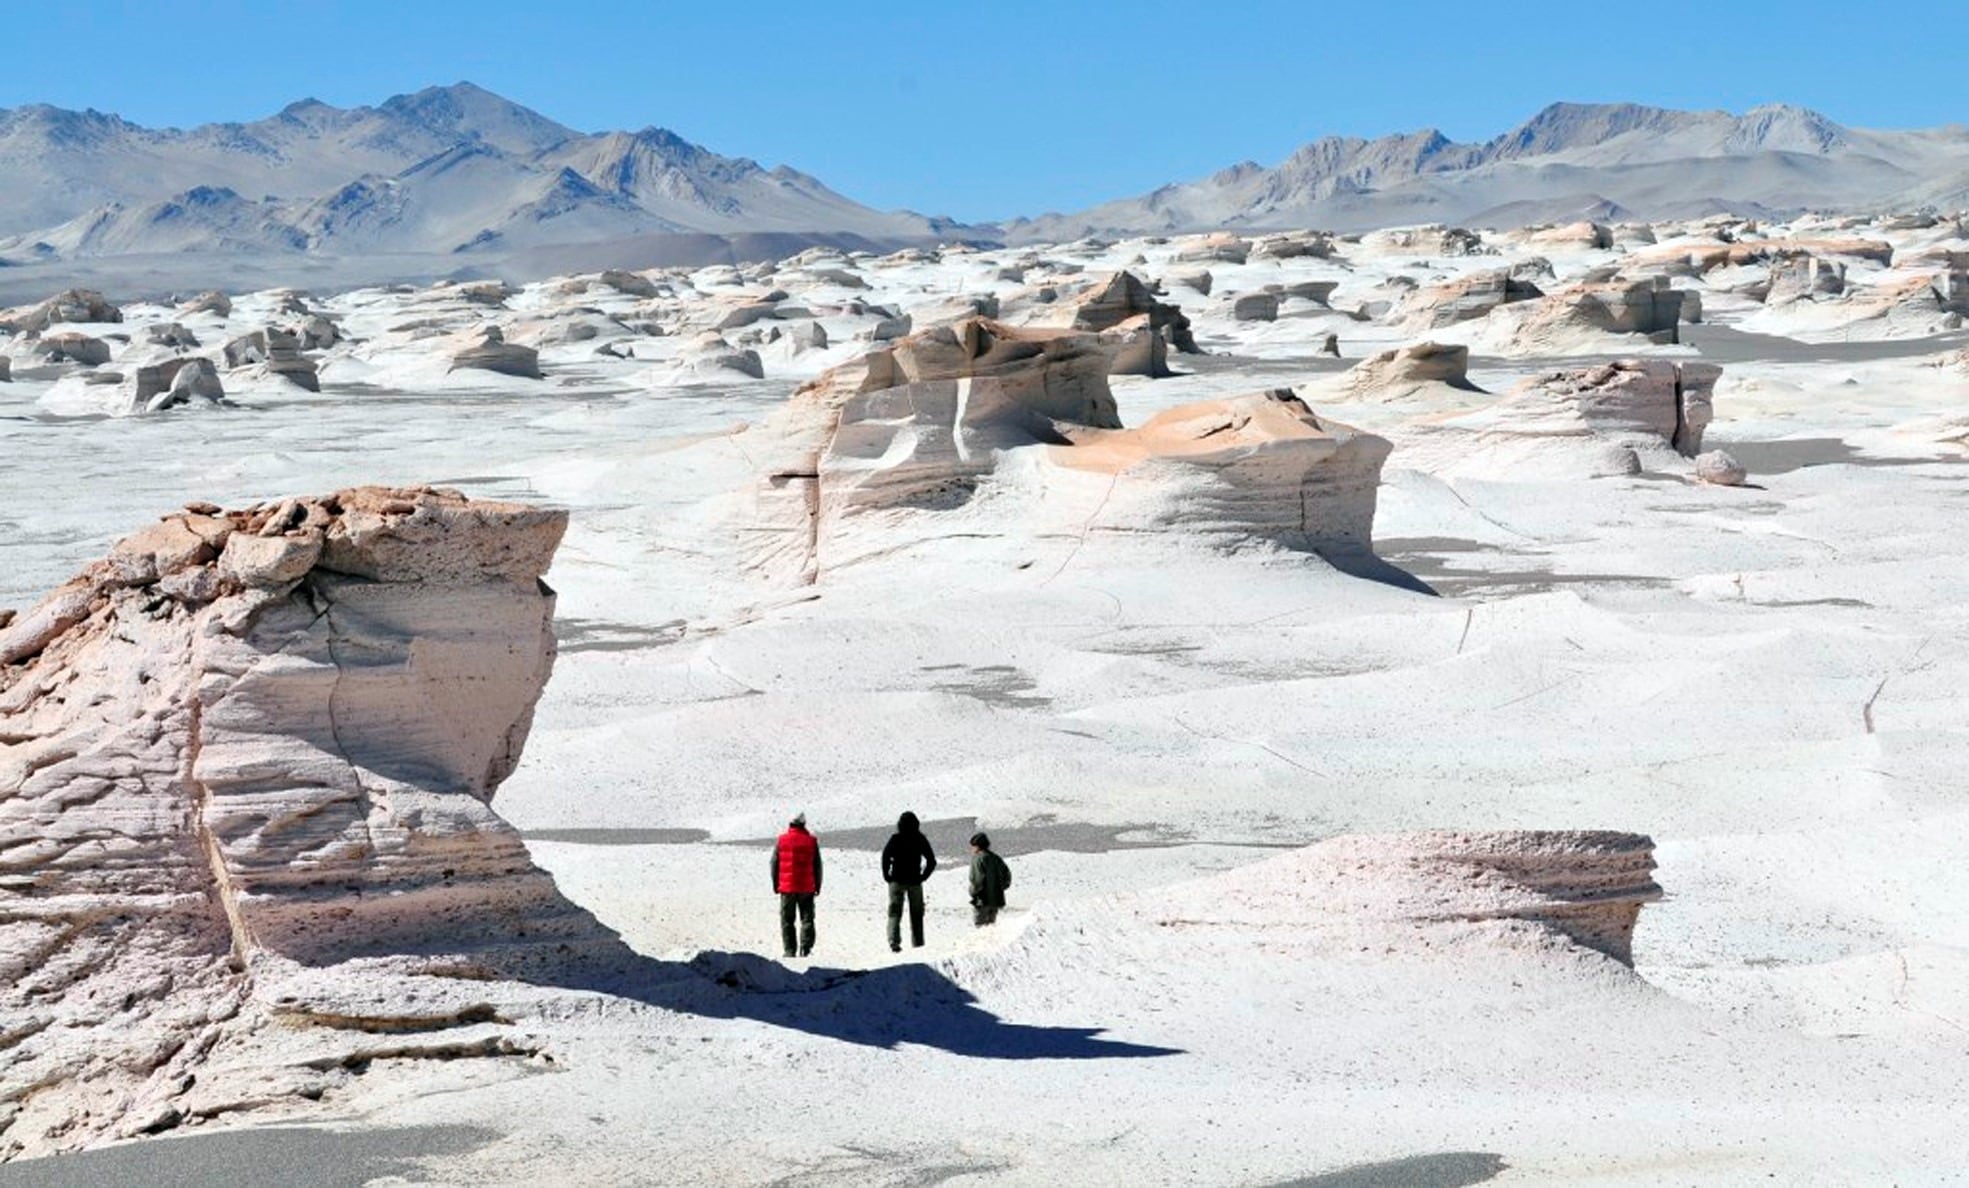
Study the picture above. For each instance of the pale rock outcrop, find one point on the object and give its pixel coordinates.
(1138, 330)
(70, 305)
(1438, 892)
(1256, 467)
(1574, 316)
(1419, 370)
(1221, 247)
(711, 359)
(1645, 402)
(1466, 297)
(1255, 307)
(630, 284)
(212, 302)
(1293, 245)
(317, 332)
(913, 425)
(245, 770)
(1804, 278)
(1197, 281)
(489, 351)
(171, 334)
(277, 353)
(73, 346)
(1719, 468)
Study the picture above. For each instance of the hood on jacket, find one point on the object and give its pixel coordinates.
(907, 823)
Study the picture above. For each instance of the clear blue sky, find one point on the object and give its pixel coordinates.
(1004, 107)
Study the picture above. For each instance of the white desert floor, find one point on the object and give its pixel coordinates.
(1772, 681)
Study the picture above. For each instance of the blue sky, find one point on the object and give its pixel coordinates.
(990, 109)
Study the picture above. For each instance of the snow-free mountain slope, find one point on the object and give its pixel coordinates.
(444, 169)
(1649, 162)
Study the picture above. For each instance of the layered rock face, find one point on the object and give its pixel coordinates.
(488, 350)
(277, 352)
(1460, 300)
(250, 745)
(1650, 401)
(918, 426)
(1417, 369)
(1261, 466)
(1436, 891)
(913, 423)
(1137, 329)
(72, 305)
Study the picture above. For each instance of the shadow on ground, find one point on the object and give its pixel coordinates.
(1449, 1169)
(291, 1156)
(881, 1008)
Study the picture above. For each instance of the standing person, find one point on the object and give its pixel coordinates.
(906, 861)
(989, 878)
(796, 879)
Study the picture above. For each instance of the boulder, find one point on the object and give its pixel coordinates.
(1719, 468)
(1138, 329)
(1221, 247)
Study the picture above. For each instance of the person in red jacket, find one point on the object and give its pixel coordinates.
(796, 879)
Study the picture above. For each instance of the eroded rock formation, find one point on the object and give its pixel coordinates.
(1434, 891)
(1261, 466)
(245, 749)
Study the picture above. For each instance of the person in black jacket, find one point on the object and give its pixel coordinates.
(906, 861)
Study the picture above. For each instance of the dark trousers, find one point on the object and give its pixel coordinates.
(804, 904)
(897, 893)
(984, 915)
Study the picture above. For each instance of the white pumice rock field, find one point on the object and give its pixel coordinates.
(1531, 746)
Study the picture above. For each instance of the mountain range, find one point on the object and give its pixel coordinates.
(447, 169)
(1570, 161)
(460, 173)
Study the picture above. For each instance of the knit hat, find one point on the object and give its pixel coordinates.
(799, 819)
(981, 841)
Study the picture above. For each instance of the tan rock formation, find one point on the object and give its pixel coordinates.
(1649, 402)
(1138, 329)
(1260, 466)
(245, 749)
(1464, 298)
(276, 352)
(1451, 890)
(1417, 370)
(489, 351)
(70, 305)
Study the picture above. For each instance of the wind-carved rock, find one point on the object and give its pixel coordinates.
(70, 305)
(241, 752)
(1261, 466)
(1655, 400)
(1136, 328)
(1436, 892)
(919, 426)
(1418, 370)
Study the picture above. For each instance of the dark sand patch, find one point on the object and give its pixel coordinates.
(1726, 344)
(1450, 1169)
(602, 635)
(291, 1156)
(1002, 685)
(619, 837)
(1427, 557)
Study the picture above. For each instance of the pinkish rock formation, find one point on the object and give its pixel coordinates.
(1418, 370)
(488, 350)
(1652, 402)
(1464, 298)
(1260, 466)
(246, 749)
(1138, 329)
(1435, 891)
(71, 305)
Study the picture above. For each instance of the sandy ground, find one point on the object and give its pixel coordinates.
(1768, 679)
